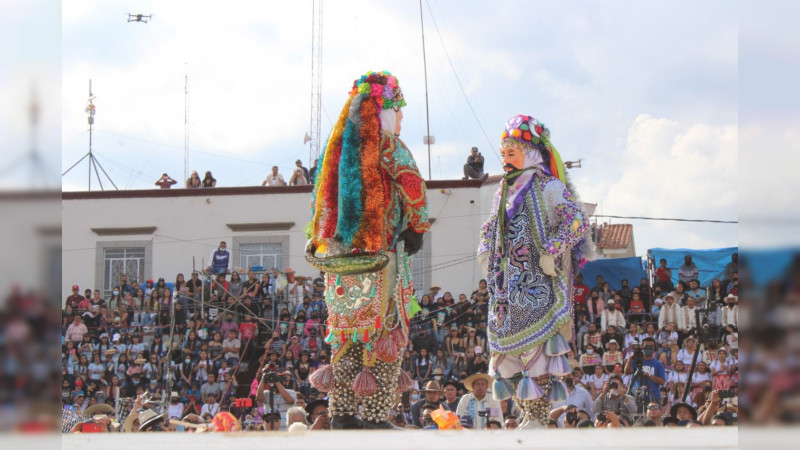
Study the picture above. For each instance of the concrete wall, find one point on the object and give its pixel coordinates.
(31, 227)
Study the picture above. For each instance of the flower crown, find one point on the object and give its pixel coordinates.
(381, 86)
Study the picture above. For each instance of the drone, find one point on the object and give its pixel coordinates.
(139, 18)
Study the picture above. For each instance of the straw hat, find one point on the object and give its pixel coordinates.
(478, 376)
(432, 386)
(127, 427)
(148, 417)
(98, 408)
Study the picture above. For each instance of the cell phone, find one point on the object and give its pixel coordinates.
(90, 427)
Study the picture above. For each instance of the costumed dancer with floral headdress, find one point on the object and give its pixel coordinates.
(531, 247)
(369, 212)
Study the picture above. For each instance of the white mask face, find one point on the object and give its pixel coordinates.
(615, 392)
(589, 351)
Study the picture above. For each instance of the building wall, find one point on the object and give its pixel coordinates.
(190, 223)
(31, 227)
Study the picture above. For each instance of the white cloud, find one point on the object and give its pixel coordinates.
(676, 170)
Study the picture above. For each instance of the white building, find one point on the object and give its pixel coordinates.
(160, 233)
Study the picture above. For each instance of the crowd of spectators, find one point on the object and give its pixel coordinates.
(216, 339)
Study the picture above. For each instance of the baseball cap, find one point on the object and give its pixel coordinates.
(75, 287)
(611, 301)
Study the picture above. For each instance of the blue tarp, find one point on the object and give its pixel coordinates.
(710, 263)
(613, 271)
(768, 265)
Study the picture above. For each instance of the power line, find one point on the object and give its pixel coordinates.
(672, 219)
(458, 80)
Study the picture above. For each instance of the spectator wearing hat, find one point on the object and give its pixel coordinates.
(75, 299)
(150, 420)
(612, 317)
(730, 313)
(612, 355)
(436, 291)
(175, 408)
(432, 392)
(473, 169)
(478, 404)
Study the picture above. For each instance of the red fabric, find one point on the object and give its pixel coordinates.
(247, 330)
(579, 293)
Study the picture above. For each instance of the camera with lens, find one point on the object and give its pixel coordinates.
(271, 417)
(638, 355)
(271, 375)
(572, 418)
(727, 393)
(601, 417)
(613, 385)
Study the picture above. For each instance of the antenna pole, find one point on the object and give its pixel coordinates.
(186, 122)
(90, 112)
(425, 69)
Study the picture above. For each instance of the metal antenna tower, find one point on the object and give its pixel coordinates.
(186, 123)
(316, 83)
(93, 162)
(38, 170)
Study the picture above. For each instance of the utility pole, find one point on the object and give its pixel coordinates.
(427, 139)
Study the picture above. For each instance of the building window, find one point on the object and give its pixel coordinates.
(265, 256)
(418, 273)
(129, 260)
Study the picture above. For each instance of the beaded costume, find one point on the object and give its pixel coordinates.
(368, 202)
(530, 321)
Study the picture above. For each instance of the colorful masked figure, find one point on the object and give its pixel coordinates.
(369, 212)
(531, 247)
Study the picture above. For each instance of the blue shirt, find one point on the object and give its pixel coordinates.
(653, 367)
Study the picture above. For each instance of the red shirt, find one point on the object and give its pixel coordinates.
(637, 306)
(663, 274)
(84, 304)
(247, 330)
(579, 293)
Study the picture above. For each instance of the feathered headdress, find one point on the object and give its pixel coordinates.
(347, 205)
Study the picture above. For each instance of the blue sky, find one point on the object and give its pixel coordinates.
(645, 93)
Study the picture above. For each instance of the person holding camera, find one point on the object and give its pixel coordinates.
(269, 385)
(652, 373)
(473, 169)
(577, 397)
(613, 398)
